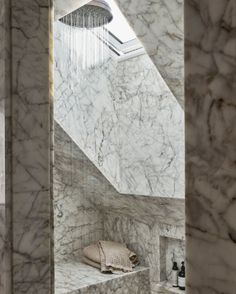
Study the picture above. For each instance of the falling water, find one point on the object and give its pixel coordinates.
(85, 41)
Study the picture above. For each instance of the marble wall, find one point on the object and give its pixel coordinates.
(87, 208)
(5, 260)
(3, 92)
(77, 222)
(159, 26)
(125, 119)
(210, 87)
(2, 249)
(30, 146)
(2, 152)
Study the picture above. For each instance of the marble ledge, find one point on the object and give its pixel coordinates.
(74, 277)
(168, 211)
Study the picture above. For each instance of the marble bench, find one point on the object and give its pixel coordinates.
(74, 277)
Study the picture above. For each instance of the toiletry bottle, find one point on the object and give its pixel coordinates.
(174, 275)
(181, 277)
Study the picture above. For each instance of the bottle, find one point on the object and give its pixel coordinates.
(181, 277)
(174, 275)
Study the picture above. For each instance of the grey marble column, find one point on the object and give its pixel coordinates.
(30, 146)
(5, 156)
(210, 85)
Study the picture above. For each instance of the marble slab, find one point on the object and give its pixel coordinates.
(210, 89)
(30, 132)
(77, 222)
(125, 119)
(102, 195)
(159, 26)
(73, 277)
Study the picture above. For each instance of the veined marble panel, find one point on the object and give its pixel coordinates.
(3, 93)
(150, 129)
(31, 145)
(2, 249)
(210, 87)
(125, 119)
(140, 237)
(87, 208)
(77, 222)
(5, 150)
(159, 26)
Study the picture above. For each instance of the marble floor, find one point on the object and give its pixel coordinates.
(75, 277)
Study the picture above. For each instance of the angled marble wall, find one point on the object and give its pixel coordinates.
(210, 87)
(30, 146)
(77, 222)
(125, 119)
(159, 26)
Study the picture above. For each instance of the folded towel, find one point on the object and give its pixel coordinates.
(111, 256)
(92, 253)
(92, 263)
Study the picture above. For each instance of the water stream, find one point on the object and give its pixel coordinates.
(85, 48)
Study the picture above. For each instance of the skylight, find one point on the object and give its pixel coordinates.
(119, 26)
(122, 40)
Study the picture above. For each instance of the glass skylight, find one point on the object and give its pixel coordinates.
(119, 26)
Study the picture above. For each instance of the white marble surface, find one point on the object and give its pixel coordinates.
(159, 26)
(143, 237)
(126, 120)
(77, 277)
(77, 222)
(210, 70)
(87, 207)
(30, 129)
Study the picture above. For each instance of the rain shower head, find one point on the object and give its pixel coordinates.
(94, 14)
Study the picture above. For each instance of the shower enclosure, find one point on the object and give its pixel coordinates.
(118, 140)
